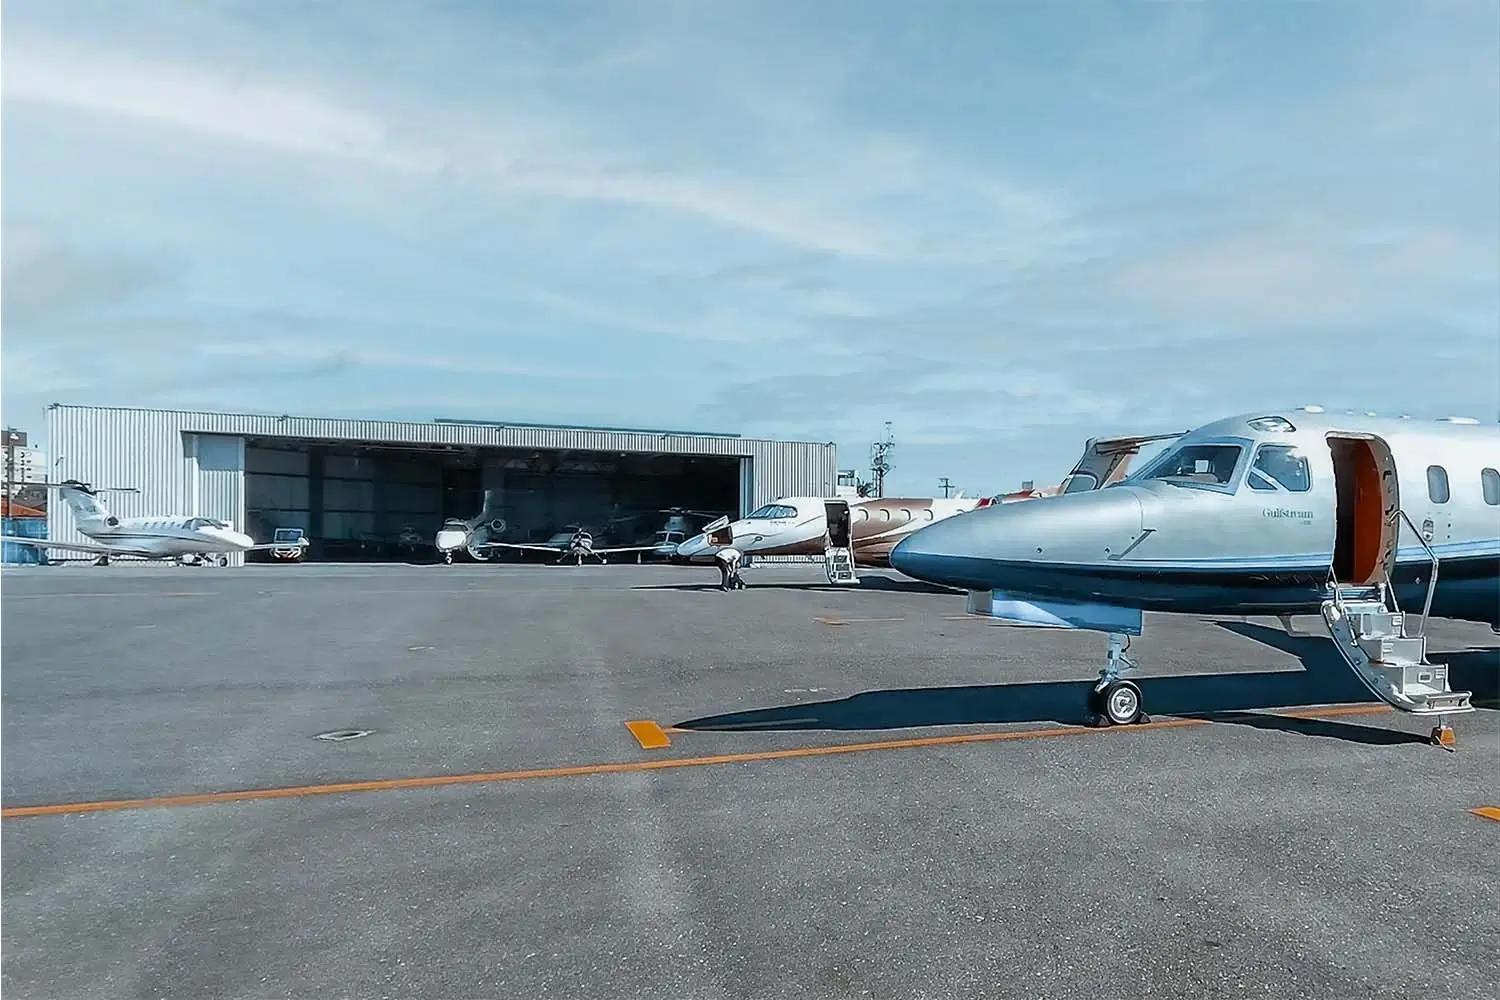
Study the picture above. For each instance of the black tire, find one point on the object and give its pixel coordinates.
(1121, 703)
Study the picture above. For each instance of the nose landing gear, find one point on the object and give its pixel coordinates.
(1114, 701)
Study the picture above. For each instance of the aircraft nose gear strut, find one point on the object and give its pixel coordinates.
(1114, 701)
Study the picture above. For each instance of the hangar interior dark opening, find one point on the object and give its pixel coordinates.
(376, 501)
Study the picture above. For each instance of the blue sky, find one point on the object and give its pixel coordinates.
(1002, 227)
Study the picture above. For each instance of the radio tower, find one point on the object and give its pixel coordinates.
(880, 459)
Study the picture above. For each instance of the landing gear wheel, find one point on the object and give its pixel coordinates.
(221, 561)
(1120, 703)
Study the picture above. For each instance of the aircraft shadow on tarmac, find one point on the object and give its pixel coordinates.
(1230, 698)
(883, 583)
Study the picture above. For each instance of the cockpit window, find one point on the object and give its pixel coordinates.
(1196, 464)
(771, 512)
(1279, 466)
(194, 523)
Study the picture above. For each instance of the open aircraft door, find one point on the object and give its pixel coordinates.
(838, 543)
(1373, 635)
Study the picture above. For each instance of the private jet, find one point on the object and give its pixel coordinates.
(1360, 519)
(189, 540)
(473, 535)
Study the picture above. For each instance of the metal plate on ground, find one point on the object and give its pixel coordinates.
(342, 735)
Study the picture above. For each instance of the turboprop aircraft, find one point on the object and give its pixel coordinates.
(187, 539)
(1279, 512)
(575, 543)
(847, 531)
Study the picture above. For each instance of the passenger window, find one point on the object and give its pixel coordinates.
(1279, 466)
(1437, 484)
(862, 514)
(885, 514)
(927, 514)
(1491, 480)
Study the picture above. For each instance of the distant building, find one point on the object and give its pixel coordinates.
(23, 463)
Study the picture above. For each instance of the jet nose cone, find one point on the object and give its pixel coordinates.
(936, 553)
(239, 539)
(1004, 547)
(689, 547)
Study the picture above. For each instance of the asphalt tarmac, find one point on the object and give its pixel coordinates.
(824, 793)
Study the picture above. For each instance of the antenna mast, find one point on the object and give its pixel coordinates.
(880, 459)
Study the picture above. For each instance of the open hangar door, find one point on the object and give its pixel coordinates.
(386, 502)
(623, 499)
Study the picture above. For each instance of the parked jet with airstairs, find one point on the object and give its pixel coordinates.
(1374, 523)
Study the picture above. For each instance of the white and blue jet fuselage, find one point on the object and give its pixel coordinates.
(1251, 514)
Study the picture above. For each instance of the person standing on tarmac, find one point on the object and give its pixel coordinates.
(727, 558)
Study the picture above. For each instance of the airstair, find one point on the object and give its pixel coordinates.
(838, 563)
(838, 543)
(1389, 655)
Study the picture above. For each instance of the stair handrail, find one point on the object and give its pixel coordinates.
(1431, 557)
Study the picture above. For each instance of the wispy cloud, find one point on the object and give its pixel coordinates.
(421, 356)
(177, 95)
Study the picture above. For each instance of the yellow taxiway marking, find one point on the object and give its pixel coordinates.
(626, 767)
(648, 734)
(856, 621)
(1488, 812)
(169, 593)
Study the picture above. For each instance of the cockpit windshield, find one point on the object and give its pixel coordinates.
(771, 512)
(194, 523)
(1195, 464)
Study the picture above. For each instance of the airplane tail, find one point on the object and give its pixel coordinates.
(82, 499)
(1107, 460)
(489, 516)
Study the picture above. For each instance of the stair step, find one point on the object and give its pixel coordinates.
(1393, 650)
(1378, 624)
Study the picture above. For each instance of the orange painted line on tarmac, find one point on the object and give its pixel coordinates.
(170, 593)
(648, 734)
(1488, 812)
(586, 770)
(1333, 711)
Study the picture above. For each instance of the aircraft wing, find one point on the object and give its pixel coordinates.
(93, 550)
(631, 548)
(265, 546)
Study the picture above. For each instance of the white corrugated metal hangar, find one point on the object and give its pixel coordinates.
(378, 489)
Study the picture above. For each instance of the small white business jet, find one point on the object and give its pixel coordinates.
(189, 540)
(472, 535)
(1273, 513)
